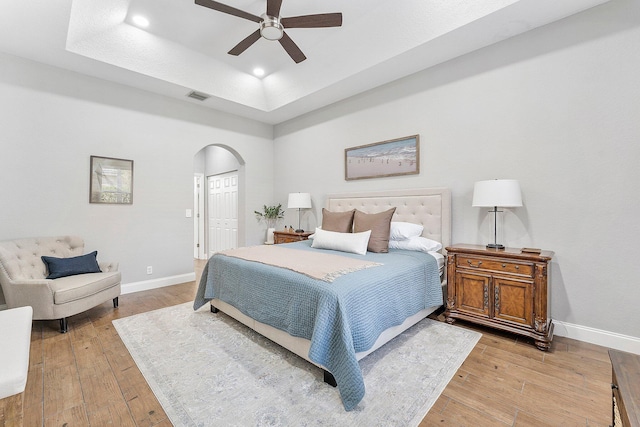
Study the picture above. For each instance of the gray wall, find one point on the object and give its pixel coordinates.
(557, 108)
(53, 120)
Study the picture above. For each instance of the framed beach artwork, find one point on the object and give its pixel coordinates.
(387, 158)
(111, 181)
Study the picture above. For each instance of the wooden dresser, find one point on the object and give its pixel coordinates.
(625, 388)
(287, 237)
(501, 288)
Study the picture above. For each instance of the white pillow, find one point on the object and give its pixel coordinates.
(416, 243)
(404, 230)
(355, 243)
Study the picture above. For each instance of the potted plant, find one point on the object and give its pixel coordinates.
(270, 214)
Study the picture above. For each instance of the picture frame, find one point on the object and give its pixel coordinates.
(111, 181)
(394, 157)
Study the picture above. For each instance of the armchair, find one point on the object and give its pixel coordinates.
(24, 283)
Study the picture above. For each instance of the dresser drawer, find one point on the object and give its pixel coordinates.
(495, 265)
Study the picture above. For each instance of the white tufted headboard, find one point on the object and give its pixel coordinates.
(430, 207)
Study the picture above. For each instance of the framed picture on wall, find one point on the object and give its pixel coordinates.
(111, 181)
(394, 157)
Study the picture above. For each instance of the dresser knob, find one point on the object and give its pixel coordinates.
(504, 265)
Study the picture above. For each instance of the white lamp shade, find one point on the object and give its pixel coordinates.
(299, 201)
(497, 192)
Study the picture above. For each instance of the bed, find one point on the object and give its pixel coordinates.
(335, 322)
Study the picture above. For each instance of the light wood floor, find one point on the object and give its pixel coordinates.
(87, 377)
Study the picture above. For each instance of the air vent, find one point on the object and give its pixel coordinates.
(198, 95)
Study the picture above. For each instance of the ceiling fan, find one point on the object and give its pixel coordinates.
(272, 25)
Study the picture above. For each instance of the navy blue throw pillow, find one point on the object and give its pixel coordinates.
(63, 267)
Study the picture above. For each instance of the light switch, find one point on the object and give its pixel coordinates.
(188, 213)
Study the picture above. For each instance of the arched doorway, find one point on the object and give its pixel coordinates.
(218, 197)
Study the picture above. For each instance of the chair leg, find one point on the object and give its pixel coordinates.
(63, 325)
(115, 302)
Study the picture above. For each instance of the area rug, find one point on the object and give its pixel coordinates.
(209, 370)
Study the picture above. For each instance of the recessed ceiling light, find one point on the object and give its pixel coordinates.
(258, 72)
(140, 21)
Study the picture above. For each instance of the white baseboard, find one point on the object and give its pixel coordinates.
(597, 336)
(145, 285)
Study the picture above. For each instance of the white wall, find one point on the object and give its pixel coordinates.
(557, 108)
(53, 120)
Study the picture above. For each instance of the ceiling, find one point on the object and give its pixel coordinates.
(185, 46)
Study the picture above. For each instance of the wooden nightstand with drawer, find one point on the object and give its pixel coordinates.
(501, 288)
(286, 237)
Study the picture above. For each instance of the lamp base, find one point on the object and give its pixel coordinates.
(495, 246)
(299, 230)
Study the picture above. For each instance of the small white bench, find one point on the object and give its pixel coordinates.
(15, 330)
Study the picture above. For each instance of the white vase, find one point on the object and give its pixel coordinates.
(270, 231)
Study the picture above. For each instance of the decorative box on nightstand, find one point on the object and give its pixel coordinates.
(287, 237)
(504, 289)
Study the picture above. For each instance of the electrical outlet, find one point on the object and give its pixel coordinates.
(149, 270)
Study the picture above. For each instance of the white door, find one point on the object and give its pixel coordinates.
(223, 212)
(198, 216)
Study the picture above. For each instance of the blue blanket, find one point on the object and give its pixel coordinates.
(340, 318)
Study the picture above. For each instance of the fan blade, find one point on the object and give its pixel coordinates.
(313, 21)
(273, 7)
(292, 49)
(228, 9)
(244, 44)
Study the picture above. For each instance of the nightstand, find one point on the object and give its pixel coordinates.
(286, 237)
(505, 289)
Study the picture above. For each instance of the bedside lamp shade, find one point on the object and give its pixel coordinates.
(496, 193)
(299, 201)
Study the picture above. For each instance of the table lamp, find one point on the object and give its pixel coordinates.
(496, 193)
(299, 201)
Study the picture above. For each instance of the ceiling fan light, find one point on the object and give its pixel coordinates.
(270, 28)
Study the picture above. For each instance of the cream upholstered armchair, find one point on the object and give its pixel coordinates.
(65, 283)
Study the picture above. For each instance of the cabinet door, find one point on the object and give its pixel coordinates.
(513, 301)
(472, 293)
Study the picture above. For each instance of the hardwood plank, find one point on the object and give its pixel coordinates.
(552, 373)
(75, 416)
(33, 392)
(481, 400)
(11, 408)
(82, 328)
(457, 414)
(143, 404)
(113, 414)
(58, 352)
(524, 419)
(33, 417)
(62, 390)
(146, 409)
(577, 405)
(494, 368)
